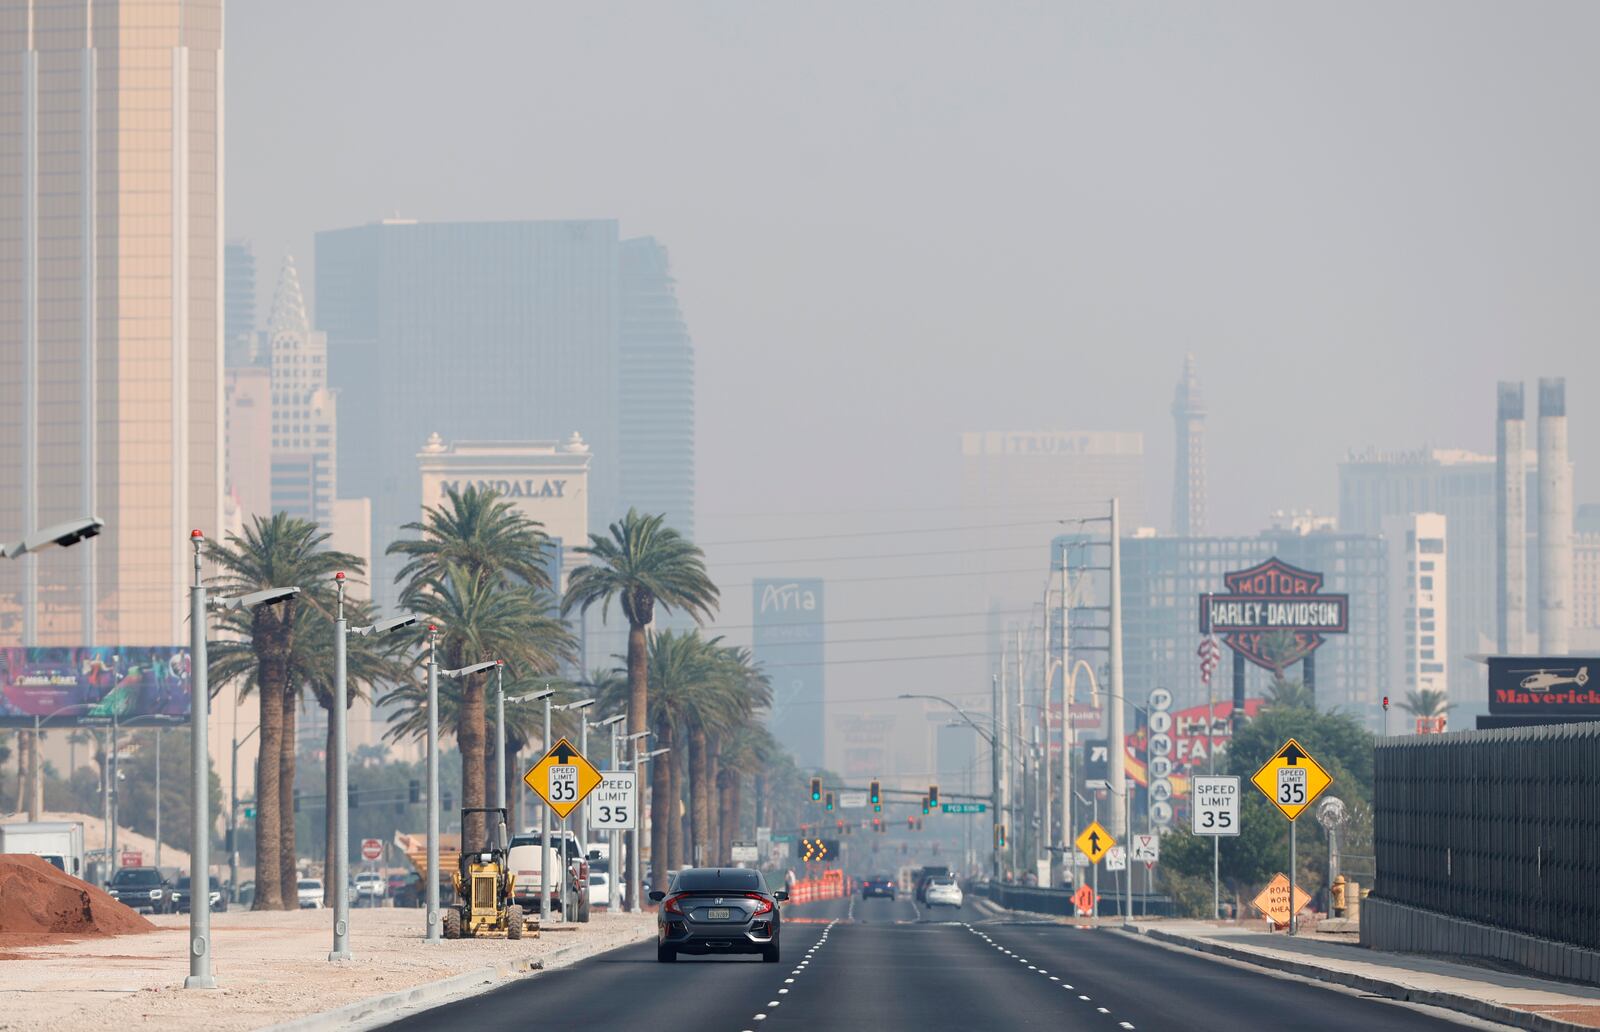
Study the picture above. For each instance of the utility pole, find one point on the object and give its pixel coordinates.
(431, 934)
(1069, 860)
(996, 795)
(158, 803)
(200, 976)
(1116, 755)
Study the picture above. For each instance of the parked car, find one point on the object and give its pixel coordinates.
(396, 882)
(142, 888)
(409, 894)
(600, 889)
(310, 892)
(523, 860)
(181, 894)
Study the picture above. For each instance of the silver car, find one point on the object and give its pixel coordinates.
(712, 910)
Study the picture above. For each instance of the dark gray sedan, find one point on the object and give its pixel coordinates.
(712, 910)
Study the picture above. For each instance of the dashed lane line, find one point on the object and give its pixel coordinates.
(1035, 968)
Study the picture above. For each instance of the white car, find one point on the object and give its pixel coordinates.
(371, 886)
(944, 892)
(599, 888)
(310, 892)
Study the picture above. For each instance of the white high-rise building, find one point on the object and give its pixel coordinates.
(305, 417)
(1419, 616)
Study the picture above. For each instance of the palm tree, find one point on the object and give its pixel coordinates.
(481, 617)
(276, 551)
(678, 665)
(642, 564)
(1429, 702)
(477, 531)
(1290, 695)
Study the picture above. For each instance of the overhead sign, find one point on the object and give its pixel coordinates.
(1215, 808)
(1083, 899)
(371, 849)
(562, 777)
(1292, 779)
(1116, 859)
(1268, 598)
(1094, 842)
(818, 850)
(1147, 848)
(745, 852)
(852, 800)
(1273, 902)
(613, 806)
(964, 807)
(1530, 685)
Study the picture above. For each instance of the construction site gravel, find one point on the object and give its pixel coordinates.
(271, 968)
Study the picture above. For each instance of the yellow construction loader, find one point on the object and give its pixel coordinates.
(483, 906)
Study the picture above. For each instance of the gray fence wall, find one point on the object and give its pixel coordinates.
(1495, 827)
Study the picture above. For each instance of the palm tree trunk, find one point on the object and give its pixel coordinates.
(728, 818)
(675, 768)
(761, 799)
(471, 738)
(699, 780)
(660, 795)
(288, 873)
(329, 812)
(269, 679)
(713, 803)
(638, 717)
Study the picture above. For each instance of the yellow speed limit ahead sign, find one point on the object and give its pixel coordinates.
(562, 777)
(1292, 779)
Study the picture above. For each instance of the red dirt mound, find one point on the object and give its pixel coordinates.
(37, 898)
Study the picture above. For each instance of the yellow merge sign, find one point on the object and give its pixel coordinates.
(563, 778)
(1095, 842)
(1292, 779)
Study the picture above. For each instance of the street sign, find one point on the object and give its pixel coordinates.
(852, 800)
(1083, 899)
(964, 807)
(817, 850)
(1215, 804)
(1274, 900)
(562, 778)
(1292, 779)
(249, 813)
(1116, 859)
(132, 858)
(371, 849)
(1147, 848)
(1079, 860)
(744, 852)
(613, 806)
(1095, 841)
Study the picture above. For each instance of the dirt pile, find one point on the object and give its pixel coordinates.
(36, 899)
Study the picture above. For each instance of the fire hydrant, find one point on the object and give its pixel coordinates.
(1338, 896)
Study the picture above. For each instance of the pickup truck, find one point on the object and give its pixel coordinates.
(523, 861)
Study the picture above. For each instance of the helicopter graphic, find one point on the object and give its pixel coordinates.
(1548, 680)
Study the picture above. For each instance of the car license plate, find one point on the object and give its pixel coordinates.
(717, 914)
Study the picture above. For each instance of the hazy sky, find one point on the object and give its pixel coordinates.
(894, 221)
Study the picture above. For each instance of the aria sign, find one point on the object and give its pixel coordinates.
(1272, 597)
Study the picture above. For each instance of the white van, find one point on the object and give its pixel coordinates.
(523, 861)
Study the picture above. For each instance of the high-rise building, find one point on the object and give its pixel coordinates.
(655, 382)
(1463, 487)
(502, 331)
(1511, 525)
(111, 308)
(1555, 520)
(248, 440)
(305, 415)
(1189, 455)
(1586, 579)
(789, 644)
(1419, 630)
(239, 304)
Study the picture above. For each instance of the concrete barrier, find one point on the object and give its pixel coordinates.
(1396, 927)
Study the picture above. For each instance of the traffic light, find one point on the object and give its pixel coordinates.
(414, 792)
(873, 793)
(840, 825)
(999, 836)
(911, 823)
(924, 804)
(919, 823)
(933, 795)
(816, 790)
(877, 825)
(829, 802)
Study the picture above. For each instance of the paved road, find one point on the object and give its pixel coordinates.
(877, 964)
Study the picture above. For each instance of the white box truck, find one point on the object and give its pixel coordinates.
(58, 842)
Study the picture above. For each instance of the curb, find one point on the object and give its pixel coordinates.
(392, 1005)
(1468, 1005)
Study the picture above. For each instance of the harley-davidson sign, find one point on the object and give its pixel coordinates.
(1273, 596)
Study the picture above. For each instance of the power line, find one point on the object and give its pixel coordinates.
(884, 619)
(909, 576)
(881, 555)
(888, 533)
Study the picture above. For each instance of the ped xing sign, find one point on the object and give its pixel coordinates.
(1292, 779)
(965, 807)
(1116, 859)
(613, 804)
(563, 778)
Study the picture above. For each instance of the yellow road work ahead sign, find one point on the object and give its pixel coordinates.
(1274, 900)
(1095, 842)
(1292, 779)
(562, 777)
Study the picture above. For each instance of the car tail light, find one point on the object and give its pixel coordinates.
(763, 904)
(671, 905)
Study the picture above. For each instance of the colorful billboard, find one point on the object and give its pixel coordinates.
(94, 685)
(1544, 686)
(1273, 597)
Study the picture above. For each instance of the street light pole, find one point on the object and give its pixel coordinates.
(544, 831)
(432, 932)
(1116, 760)
(500, 735)
(200, 976)
(341, 795)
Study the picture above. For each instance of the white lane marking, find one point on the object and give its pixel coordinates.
(788, 981)
(1082, 997)
(761, 1017)
(1125, 1024)
(1053, 978)
(1102, 1010)
(772, 1003)
(782, 991)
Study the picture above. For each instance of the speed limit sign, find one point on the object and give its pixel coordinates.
(563, 784)
(612, 804)
(1216, 804)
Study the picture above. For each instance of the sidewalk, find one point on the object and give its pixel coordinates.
(1522, 1001)
(272, 967)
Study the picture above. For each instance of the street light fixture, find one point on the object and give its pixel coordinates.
(341, 767)
(200, 976)
(431, 933)
(62, 535)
